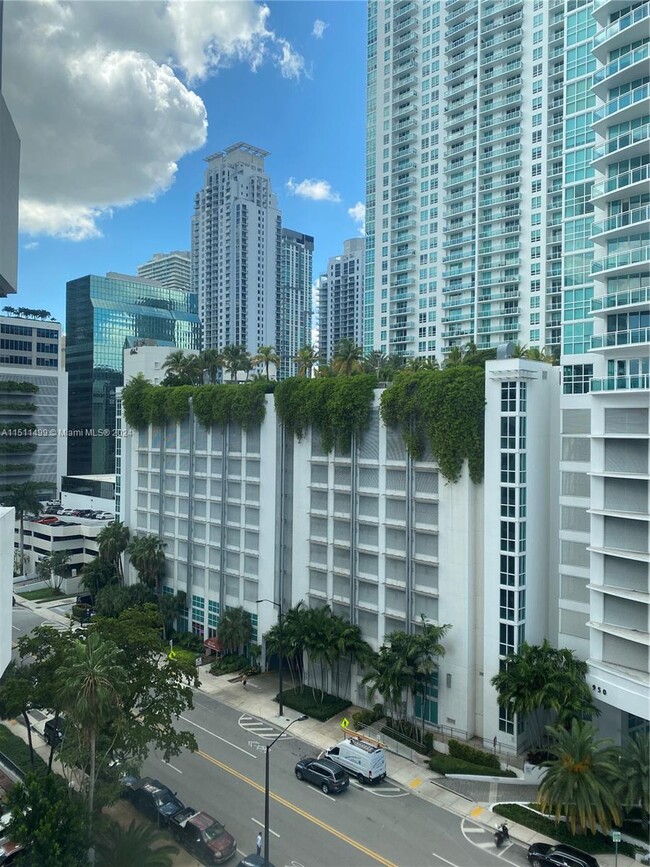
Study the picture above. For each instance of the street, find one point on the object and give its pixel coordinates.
(362, 826)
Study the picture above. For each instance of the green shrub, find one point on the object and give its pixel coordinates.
(18, 751)
(12, 385)
(367, 717)
(188, 640)
(443, 764)
(594, 843)
(229, 665)
(308, 703)
(81, 613)
(459, 750)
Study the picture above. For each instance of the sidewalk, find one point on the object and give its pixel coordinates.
(258, 700)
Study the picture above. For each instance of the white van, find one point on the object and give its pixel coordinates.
(361, 759)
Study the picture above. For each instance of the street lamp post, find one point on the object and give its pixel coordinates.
(266, 787)
(278, 605)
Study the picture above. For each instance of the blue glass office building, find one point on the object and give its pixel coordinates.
(101, 314)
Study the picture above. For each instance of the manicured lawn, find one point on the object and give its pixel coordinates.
(17, 750)
(310, 704)
(45, 594)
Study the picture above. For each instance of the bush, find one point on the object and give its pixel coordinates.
(189, 641)
(308, 703)
(81, 613)
(363, 718)
(443, 764)
(18, 751)
(593, 843)
(459, 750)
(229, 665)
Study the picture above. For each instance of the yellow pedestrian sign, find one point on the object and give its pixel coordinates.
(345, 723)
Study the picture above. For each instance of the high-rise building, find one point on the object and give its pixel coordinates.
(341, 298)
(615, 412)
(464, 175)
(294, 305)
(322, 306)
(170, 269)
(236, 250)
(33, 403)
(9, 170)
(101, 314)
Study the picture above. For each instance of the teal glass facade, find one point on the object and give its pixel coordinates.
(101, 313)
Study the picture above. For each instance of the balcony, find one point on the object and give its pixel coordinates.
(409, 79)
(621, 221)
(621, 70)
(616, 339)
(465, 72)
(623, 106)
(503, 22)
(459, 118)
(465, 9)
(400, 10)
(640, 382)
(627, 260)
(618, 33)
(628, 144)
(403, 238)
(635, 181)
(629, 298)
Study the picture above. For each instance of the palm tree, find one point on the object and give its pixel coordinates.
(632, 784)
(17, 692)
(266, 355)
(347, 357)
(246, 363)
(232, 358)
(52, 565)
(25, 498)
(306, 359)
(235, 629)
(91, 678)
(211, 360)
(174, 364)
(421, 364)
(375, 361)
(138, 844)
(537, 354)
(147, 555)
(579, 781)
(455, 356)
(112, 541)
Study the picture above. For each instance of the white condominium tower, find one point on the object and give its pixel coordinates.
(170, 269)
(341, 299)
(464, 184)
(235, 250)
(293, 315)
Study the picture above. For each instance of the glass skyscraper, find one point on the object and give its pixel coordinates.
(101, 313)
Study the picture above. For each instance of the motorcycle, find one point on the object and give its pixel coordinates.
(501, 834)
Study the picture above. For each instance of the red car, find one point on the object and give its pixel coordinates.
(202, 836)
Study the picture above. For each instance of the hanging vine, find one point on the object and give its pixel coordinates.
(336, 406)
(444, 407)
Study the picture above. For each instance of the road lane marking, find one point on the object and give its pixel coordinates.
(300, 812)
(173, 767)
(451, 863)
(476, 812)
(261, 824)
(212, 734)
(415, 783)
(475, 830)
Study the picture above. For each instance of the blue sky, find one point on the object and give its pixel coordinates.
(304, 103)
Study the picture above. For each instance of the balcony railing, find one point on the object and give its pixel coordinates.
(627, 218)
(629, 59)
(621, 383)
(623, 180)
(621, 260)
(622, 23)
(641, 133)
(630, 337)
(614, 105)
(625, 298)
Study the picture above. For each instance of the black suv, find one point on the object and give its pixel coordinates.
(545, 855)
(324, 773)
(53, 731)
(152, 798)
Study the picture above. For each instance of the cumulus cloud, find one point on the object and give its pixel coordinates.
(358, 214)
(101, 95)
(311, 188)
(30, 245)
(319, 28)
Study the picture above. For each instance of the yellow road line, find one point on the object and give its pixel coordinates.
(341, 836)
(476, 812)
(415, 783)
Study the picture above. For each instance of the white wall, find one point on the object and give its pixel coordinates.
(7, 520)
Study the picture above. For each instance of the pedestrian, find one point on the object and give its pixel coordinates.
(244, 680)
(259, 842)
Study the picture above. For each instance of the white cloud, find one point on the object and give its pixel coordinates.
(100, 94)
(30, 245)
(358, 214)
(319, 28)
(310, 188)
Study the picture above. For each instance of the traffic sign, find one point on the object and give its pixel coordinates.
(616, 836)
(345, 723)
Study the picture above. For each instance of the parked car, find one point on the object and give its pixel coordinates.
(85, 599)
(66, 512)
(323, 773)
(202, 836)
(104, 516)
(545, 855)
(51, 519)
(53, 731)
(152, 798)
(11, 853)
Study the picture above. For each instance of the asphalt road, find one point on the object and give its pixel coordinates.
(363, 826)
